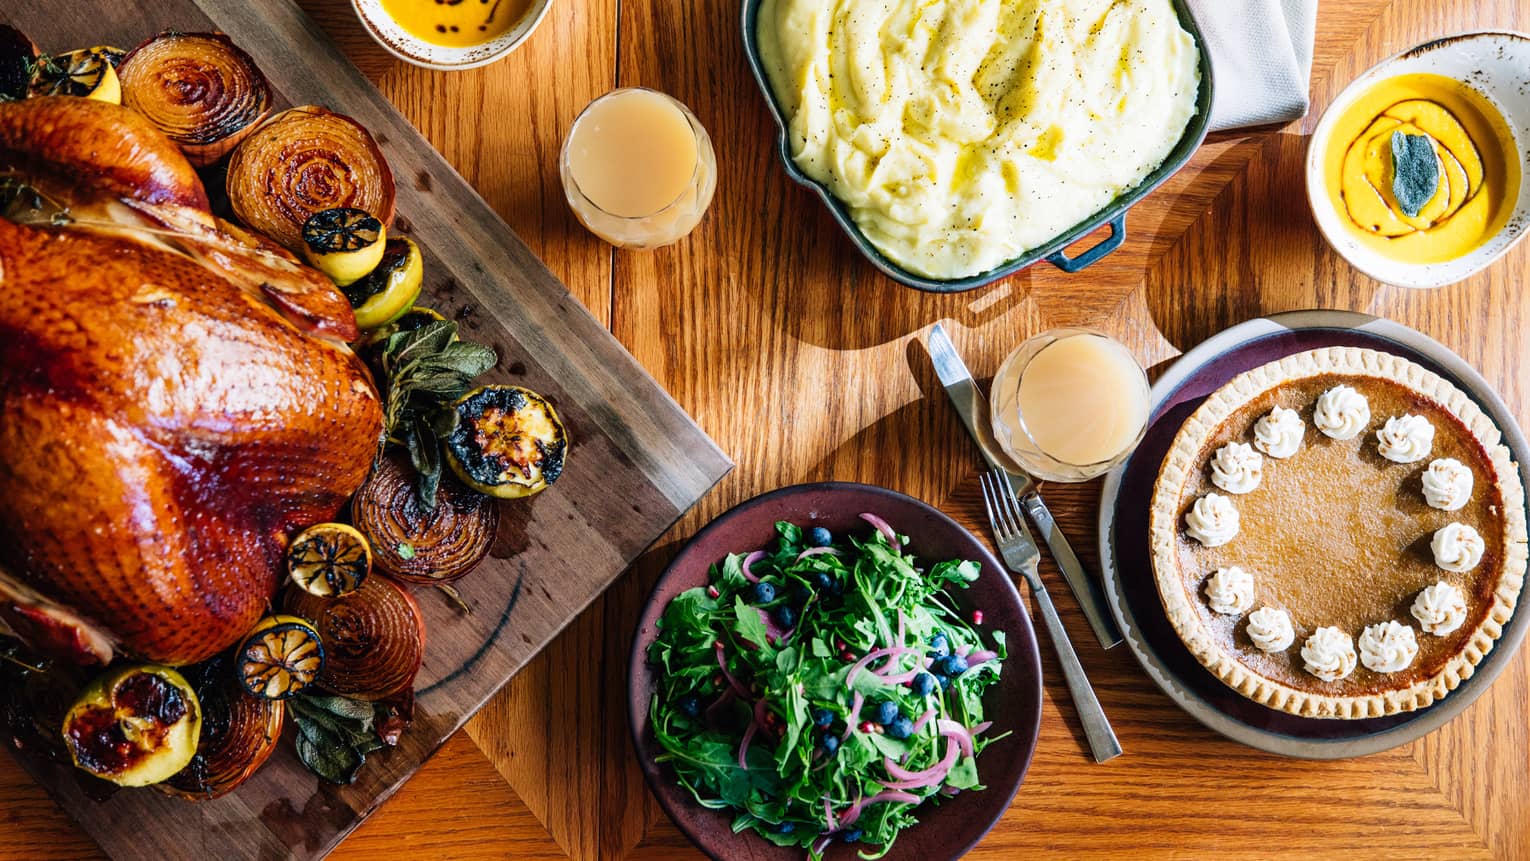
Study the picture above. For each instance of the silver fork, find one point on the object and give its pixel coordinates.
(1021, 556)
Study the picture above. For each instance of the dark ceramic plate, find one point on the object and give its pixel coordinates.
(1054, 251)
(1129, 574)
(1014, 704)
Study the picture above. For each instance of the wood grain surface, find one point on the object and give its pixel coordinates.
(803, 363)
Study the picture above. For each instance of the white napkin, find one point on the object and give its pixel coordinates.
(1261, 57)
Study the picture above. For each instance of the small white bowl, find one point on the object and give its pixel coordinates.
(1495, 64)
(412, 49)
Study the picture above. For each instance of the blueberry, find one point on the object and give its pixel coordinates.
(830, 744)
(822, 718)
(822, 581)
(690, 705)
(901, 728)
(837, 587)
(786, 616)
(764, 593)
(783, 828)
(924, 684)
(851, 836)
(952, 665)
(887, 712)
(820, 537)
(940, 646)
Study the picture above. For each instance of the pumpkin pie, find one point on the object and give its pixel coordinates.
(1339, 534)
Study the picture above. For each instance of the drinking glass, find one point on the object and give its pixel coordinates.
(1074, 413)
(669, 222)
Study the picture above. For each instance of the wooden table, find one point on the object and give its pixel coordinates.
(799, 360)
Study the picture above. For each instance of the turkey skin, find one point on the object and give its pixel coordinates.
(176, 398)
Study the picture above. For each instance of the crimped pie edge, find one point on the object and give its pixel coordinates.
(1182, 462)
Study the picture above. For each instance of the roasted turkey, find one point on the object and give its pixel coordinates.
(176, 395)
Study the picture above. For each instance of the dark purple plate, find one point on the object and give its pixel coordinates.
(1014, 704)
(1129, 573)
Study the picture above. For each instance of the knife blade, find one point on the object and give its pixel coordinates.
(972, 406)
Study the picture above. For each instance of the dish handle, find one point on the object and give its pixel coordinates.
(1110, 243)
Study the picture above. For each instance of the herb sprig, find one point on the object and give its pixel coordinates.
(335, 733)
(425, 371)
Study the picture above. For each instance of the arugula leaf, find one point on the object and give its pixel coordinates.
(731, 576)
(749, 625)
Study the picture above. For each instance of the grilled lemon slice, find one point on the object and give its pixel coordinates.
(329, 560)
(344, 243)
(388, 291)
(89, 72)
(280, 657)
(508, 443)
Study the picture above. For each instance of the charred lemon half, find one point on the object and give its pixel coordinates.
(134, 726)
(329, 560)
(88, 72)
(508, 442)
(280, 657)
(389, 290)
(344, 243)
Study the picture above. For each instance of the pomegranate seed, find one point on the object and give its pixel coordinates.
(867, 726)
(977, 617)
(712, 592)
(717, 680)
(848, 657)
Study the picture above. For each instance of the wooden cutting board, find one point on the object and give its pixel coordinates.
(637, 462)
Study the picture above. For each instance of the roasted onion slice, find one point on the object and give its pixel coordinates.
(200, 89)
(374, 638)
(239, 733)
(419, 546)
(302, 161)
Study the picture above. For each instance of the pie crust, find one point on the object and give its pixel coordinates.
(1238, 667)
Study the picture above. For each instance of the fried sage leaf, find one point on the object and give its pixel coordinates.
(426, 370)
(336, 733)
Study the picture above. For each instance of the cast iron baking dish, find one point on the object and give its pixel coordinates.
(1052, 252)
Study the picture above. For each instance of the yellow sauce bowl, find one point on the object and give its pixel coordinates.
(1469, 96)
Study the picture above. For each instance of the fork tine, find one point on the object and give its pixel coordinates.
(1007, 491)
(995, 509)
(993, 523)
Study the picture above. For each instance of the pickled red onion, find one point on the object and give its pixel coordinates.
(749, 563)
(884, 528)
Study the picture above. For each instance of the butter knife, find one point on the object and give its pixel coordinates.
(973, 408)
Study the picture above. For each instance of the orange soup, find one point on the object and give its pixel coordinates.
(457, 23)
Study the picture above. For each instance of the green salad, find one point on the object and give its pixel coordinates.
(825, 688)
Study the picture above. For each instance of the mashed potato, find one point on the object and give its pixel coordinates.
(962, 133)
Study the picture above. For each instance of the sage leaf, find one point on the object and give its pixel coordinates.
(342, 707)
(335, 734)
(337, 764)
(425, 455)
(1415, 172)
